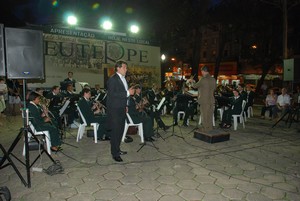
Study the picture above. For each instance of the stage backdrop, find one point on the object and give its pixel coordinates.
(91, 57)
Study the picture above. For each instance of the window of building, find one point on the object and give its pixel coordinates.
(204, 54)
(205, 42)
(213, 53)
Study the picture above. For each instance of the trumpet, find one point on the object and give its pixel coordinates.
(142, 104)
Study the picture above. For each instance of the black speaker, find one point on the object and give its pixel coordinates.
(24, 53)
(2, 63)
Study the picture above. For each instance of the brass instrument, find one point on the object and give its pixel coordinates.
(98, 107)
(142, 104)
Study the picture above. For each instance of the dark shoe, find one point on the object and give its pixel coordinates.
(123, 152)
(149, 139)
(128, 139)
(56, 149)
(175, 124)
(118, 158)
(166, 128)
(107, 138)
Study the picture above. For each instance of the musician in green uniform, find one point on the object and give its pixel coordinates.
(41, 122)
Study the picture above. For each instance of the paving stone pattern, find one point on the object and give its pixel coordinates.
(257, 164)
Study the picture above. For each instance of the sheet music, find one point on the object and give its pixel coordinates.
(192, 93)
(161, 103)
(64, 107)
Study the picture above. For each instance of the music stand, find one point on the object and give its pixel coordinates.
(157, 110)
(23, 133)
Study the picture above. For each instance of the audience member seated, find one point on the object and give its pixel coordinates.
(92, 113)
(270, 103)
(42, 122)
(234, 109)
(283, 104)
(250, 98)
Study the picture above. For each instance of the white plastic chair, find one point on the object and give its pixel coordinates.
(250, 111)
(127, 125)
(213, 120)
(221, 111)
(83, 125)
(179, 114)
(44, 133)
(241, 116)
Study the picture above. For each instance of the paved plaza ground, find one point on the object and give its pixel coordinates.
(258, 163)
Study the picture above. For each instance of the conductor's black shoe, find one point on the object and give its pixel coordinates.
(149, 139)
(175, 124)
(118, 158)
(123, 152)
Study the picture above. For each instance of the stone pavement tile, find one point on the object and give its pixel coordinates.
(181, 167)
(63, 193)
(148, 195)
(214, 197)
(229, 183)
(293, 196)
(256, 197)
(167, 179)
(82, 197)
(79, 173)
(71, 182)
(200, 171)
(57, 178)
(88, 187)
(18, 192)
(249, 187)
(171, 198)
(114, 175)
(129, 189)
(234, 170)
(109, 184)
(45, 186)
(98, 170)
(92, 177)
(116, 167)
(234, 194)
(132, 171)
(205, 179)
(130, 179)
(274, 178)
(209, 188)
(36, 196)
(149, 175)
(126, 198)
(165, 171)
(168, 189)
(191, 194)
(187, 184)
(253, 174)
(273, 193)
(148, 184)
(148, 167)
(106, 194)
(286, 187)
(184, 175)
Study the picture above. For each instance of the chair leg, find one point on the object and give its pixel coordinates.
(125, 131)
(48, 144)
(95, 133)
(235, 123)
(141, 133)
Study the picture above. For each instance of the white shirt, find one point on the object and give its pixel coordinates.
(124, 83)
(284, 100)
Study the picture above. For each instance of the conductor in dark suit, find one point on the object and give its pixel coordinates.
(117, 96)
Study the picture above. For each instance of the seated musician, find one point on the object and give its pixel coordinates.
(71, 109)
(139, 117)
(151, 95)
(234, 109)
(154, 114)
(92, 113)
(170, 87)
(41, 122)
(183, 102)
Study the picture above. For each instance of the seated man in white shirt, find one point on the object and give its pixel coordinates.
(283, 103)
